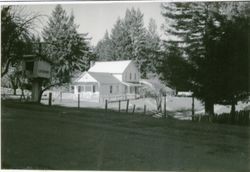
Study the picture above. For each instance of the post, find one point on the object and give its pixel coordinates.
(165, 106)
(134, 108)
(127, 106)
(192, 107)
(119, 105)
(60, 96)
(145, 109)
(106, 105)
(78, 101)
(50, 98)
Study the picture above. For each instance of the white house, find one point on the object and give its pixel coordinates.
(109, 80)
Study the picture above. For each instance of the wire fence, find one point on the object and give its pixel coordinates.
(237, 118)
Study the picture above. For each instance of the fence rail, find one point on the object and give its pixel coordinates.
(132, 107)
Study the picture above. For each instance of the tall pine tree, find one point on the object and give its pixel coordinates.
(67, 49)
(199, 30)
(130, 40)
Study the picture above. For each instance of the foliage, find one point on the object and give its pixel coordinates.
(15, 36)
(103, 48)
(130, 40)
(153, 48)
(15, 78)
(66, 49)
(175, 69)
(204, 32)
(232, 54)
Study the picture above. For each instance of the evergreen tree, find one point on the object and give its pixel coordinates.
(67, 49)
(233, 57)
(153, 48)
(199, 28)
(120, 41)
(129, 40)
(134, 25)
(103, 48)
(175, 70)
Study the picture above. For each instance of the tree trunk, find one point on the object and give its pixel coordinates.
(209, 109)
(6, 68)
(14, 91)
(158, 103)
(36, 90)
(22, 95)
(40, 96)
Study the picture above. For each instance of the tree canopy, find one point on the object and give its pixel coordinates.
(66, 49)
(16, 36)
(207, 35)
(131, 40)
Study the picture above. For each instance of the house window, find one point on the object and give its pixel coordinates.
(79, 89)
(130, 76)
(135, 76)
(110, 89)
(88, 88)
(82, 88)
(93, 88)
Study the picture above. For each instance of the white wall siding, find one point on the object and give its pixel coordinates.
(105, 89)
(131, 73)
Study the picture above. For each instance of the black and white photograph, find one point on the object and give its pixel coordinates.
(125, 85)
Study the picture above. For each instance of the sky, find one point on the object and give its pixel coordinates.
(96, 18)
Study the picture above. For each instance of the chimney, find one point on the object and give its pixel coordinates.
(92, 63)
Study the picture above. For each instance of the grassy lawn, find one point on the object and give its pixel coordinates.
(42, 137)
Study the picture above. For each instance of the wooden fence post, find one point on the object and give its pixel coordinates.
(50, 98)
(165, 106)
(119, 105)
(127, 106)
(145, 109)
(60, 96)
(192, 107)
(78, 101)
(134, 108)
(106, 105)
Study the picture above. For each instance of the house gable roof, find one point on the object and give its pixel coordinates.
(90, 77)
(110, 66)
(104, 78)
(84, 77)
